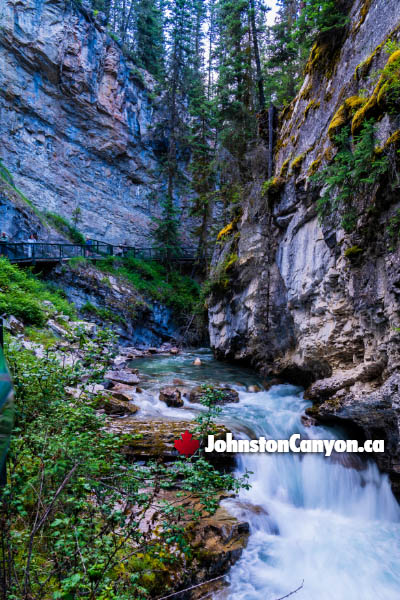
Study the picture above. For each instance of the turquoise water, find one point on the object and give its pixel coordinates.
(331, 523)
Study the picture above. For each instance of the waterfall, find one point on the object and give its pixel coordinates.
(330, 522)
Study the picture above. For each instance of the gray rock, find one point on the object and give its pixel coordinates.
(171, 396)
(13, 325)
(126, 377)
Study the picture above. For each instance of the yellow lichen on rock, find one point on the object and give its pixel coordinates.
(344, 114)
(312, 104)
(297, 162)
(328, 154)
(226, 230)
(393, 140)
(376, 104)
(363, 15)
(284, 168)
(313, 168)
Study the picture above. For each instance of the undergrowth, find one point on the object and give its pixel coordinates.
(78, 520)
(22, 294)
(153, 279)
(354, 170)
(65, 227)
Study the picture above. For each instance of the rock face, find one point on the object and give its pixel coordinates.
(79, 125)
(113, 302)
(298, 305)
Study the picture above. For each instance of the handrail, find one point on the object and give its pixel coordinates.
(92, 249)
(6, 412)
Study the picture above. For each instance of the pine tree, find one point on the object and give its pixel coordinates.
(235, 85)
(283, 66)
(149, 37)
(166, 234)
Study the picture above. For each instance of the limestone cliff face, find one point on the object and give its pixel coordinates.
(297, 305)
(78, 126)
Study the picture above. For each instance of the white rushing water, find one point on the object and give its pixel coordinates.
(330, 522)
(335, 528)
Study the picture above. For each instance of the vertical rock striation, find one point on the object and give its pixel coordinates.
(298, 305)
(79, 125)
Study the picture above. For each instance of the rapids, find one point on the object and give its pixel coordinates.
(332, 523)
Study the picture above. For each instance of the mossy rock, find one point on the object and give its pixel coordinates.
(227, 395)
(377, 103)
(154, 440)
(353, 252)
(117, 406)
(344, 114)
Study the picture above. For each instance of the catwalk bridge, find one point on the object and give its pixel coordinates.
(43, 252)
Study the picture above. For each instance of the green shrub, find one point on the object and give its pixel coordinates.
(22, 294)
(74, 509)
(152, 279)
(353, 171)
(352, 252)
(65, 227)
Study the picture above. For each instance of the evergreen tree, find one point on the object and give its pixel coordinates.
(166, 234)
(283, 65)
(235, 98)
(150, 37)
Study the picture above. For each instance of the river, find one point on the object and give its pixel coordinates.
(332, 523)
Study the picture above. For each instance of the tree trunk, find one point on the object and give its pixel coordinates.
(260, 79)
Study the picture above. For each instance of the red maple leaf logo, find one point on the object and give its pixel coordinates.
(187, 445)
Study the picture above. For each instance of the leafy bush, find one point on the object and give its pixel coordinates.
(153, 279)
(353, 171)
(22, 294)
(65, 227)
(78, 520)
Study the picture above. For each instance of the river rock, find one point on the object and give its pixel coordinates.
(368, 414)
(122, 376)
(217, 542)
(120, 361)
(115, 406)
(171, 396)
(56, 328)
(254, 389)
(154, 439)
(197, 362)
(229, 395)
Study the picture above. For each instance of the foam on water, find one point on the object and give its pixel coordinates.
(338, 527)
(332, 522)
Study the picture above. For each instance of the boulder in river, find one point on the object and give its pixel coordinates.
(121, 388)
(226, 396)
(171, 396)
(114, 406)
(123, 376)
(154, 439)
(197, 362)
(254, 389)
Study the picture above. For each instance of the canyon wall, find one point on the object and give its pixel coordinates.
(307, 301)
(80, 126)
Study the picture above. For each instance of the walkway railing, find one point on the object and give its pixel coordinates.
(31, 252)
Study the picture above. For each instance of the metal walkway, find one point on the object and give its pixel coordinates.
(43, 252)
